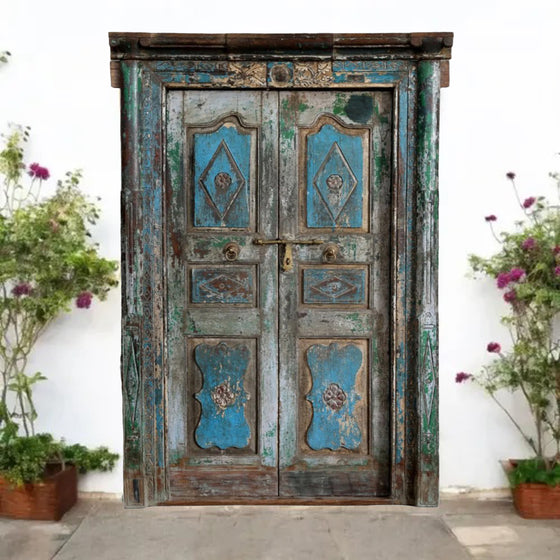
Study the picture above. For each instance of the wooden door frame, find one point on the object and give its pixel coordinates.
(414, 66)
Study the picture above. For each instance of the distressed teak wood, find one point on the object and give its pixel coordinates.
(279, 235)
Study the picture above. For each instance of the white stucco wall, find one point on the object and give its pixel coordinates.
(501, 113)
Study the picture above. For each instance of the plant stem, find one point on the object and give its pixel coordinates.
(525, 437)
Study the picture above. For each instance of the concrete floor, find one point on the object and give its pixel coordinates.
(460, 528)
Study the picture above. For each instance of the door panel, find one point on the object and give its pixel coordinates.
(221, 295)
(335, 386)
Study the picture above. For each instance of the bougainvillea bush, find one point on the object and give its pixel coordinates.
(48, 264)
(526, 270)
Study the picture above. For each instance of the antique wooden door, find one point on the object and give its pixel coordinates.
(280, 266)
(279, 293)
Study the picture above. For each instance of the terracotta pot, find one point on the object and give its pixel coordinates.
(537, 501)
(47, 500)
(534, 500)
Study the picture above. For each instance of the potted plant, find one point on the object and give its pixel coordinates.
(47, 261)
(526, 269)
(38, 475)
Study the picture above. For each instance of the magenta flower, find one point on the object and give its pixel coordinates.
(502, 280)
(36, 171)
(557, 271)
(494, 347)
(529, 244)
(556, 249)
(515, 274)
(462, 376)
(83, 301)
(528, 202)
(491, 218)
(510, 296)
(23, 289)
(510, 175)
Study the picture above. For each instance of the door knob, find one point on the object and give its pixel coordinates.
(231, 251)
(330, 253)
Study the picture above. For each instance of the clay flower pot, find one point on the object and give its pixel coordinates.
(47, 500)
(533, 500)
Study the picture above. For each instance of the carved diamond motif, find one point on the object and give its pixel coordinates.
(223, 286)
(132, 381)
(335, 181)
(428, 371)
(334, 287)
(222, 180)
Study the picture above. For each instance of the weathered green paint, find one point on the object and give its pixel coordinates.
(427, 381)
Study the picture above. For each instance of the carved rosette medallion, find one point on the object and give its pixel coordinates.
(222, 181)
(334, 397)
(223, 395)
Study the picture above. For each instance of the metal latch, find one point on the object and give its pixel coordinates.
(287, 258)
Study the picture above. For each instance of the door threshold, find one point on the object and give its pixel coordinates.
(277, 501)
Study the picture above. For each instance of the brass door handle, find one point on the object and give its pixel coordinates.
(287, 257)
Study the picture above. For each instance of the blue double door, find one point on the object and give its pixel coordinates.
(279, 275)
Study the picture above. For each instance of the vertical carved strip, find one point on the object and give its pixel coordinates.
(132, 400)
(130, 285)
(404, 239)
(427, 197)
(152, 285)
(142, 356)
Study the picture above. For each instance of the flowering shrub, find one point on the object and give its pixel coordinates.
(526, 270)
(47, 261)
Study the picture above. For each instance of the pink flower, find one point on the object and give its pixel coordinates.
(557, 271)
(528, 202)
(510, 296)
(462, 376)
(36, 171)
(510, 175)
(556, 249)
(491, 218)
(515, 274)
(83, 301)
(503, 279)
(494, 347)
(23, 289)
(529, 244)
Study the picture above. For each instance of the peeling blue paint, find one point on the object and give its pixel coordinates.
(334, 369)
(334, 179)
(223, 396)
(222, 285)
(222, 170)
(334, 286)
